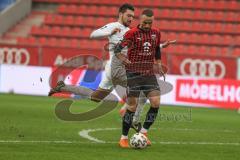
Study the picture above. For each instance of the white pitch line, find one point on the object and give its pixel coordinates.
(60, 142)
(112, 142)
(85, 134)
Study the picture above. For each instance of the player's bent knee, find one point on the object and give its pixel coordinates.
(155, 102)
(99, 94)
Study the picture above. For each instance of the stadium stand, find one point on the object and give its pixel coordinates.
(200, 26)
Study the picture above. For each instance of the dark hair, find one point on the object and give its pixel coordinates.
(124, 7)
(147, 12)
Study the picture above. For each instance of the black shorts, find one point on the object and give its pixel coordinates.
(137, 83)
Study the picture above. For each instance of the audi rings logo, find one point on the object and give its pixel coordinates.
(203, 68)
(18, 56)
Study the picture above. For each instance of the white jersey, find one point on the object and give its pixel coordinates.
(113, 39)
(113, 64)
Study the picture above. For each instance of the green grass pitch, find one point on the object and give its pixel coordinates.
(30, 130)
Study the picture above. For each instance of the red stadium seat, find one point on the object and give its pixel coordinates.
(233, 5)
(228, 40)
(219, 15)
(74, 43)
(188, 14)
(192, 49)
(52, 42)
(86, 32)
(48, 18)
(198, 14)
(92, 10)
(214, 51)
(58, 19)
(45, 30)
(209, 15)
(72, 9)
(177, 14)
(218, 27)
(232, 17)
(69, 20)
(63, 42)
(42, 41)
(82, 9)
(203, 50)
(66, 31)
(76, 32)
(196, 26)
(229, 28)
(165, 13)
(56, 31)
(194, 38)
(62, 9)
(35, 30)
(102, 11)
(236, 52)
(79, 21)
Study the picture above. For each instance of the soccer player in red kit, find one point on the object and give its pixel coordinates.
(142, 61)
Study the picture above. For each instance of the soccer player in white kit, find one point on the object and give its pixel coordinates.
(114, 70)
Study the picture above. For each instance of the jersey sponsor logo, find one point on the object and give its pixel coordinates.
(146, 46)
(203, 68)
(19, 56)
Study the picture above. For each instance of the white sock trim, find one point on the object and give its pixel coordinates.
(124, 137)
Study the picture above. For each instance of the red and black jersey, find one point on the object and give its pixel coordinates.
(142, 49)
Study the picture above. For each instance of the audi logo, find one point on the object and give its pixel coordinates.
(203, 68)
(18, 56)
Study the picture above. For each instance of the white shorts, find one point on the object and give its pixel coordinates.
(114, 75)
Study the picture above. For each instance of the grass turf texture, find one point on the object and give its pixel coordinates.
(31, 122)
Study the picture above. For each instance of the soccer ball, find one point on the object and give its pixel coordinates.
(138, 141)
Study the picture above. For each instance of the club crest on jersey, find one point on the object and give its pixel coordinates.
(153, 36)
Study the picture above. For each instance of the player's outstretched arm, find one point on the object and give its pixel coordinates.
(167, 43)
(104, 32)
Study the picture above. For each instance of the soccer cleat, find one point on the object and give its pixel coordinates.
(148, 141)
(57, 88)
(136, 126)
(122, 111)
(123, 143)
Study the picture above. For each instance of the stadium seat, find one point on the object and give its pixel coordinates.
(56, 31)
(69, 20)
(62, 9)
(58, 19)
(82, 9)
(42, 41)
(52, 42)
(214, 51)
(62, 42)
(48, 19)
(34, 30)
(203, 50)
(66, 31)
(192, 49)
(74, 43)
